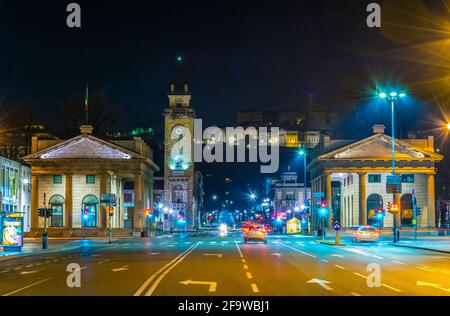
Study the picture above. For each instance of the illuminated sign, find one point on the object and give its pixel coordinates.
(12, 232)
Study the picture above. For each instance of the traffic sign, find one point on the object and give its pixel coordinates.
(108, 200)
(337, 226)
(393, 180)
(318, 195)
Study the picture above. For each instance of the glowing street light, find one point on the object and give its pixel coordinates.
(392, 97)
(448, 126)
(253, 196)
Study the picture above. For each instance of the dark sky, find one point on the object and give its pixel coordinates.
(238, 54)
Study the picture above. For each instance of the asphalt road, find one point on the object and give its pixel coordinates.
(203, 264)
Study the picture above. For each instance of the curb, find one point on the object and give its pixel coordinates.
(329, 243)
(420, 248)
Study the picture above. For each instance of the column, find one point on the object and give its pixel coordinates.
(362, 199)
(431, 209)
(138, 203)
(34, 203)
(329, 198)
(68, 206)
(104, 189)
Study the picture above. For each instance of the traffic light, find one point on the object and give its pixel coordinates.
(111, 210)
(41, 212)
(148, 212)
(393, 208)
(419, 211)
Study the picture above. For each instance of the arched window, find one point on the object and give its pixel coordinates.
(374, 202)
(89, 211)
(56, 203)
(407, 210)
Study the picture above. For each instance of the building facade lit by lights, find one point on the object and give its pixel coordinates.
(75, 173)
(352, 177)
(15, 189)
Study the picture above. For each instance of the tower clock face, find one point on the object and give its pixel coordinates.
(178, 131)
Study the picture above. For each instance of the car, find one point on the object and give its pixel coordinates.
(223, 228)
(255, 233)
(366, 234)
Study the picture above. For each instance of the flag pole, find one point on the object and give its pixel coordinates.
(86, 105)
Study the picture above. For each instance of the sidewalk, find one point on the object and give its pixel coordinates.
(436, 244)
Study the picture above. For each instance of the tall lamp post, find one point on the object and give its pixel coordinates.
(302, 152)
(392, 98)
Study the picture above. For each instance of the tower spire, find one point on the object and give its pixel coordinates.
(179, 84)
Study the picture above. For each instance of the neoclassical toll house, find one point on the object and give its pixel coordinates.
(73, 174)
(352, 177)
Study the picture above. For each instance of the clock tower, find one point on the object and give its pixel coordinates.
(180, 210)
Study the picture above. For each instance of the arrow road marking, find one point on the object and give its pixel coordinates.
(213, 254)
(212, 285)
(434, 285)
(124, 268)
(322, 283)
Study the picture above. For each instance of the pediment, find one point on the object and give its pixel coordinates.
(84, 147)
(379, 147)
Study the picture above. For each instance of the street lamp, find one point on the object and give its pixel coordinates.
(392, 97)
(253, 196)
(448, 126)
(302, 152)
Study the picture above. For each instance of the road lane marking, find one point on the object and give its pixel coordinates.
(305, 253)
(213, 255)
(212, 285)
(103, 261)
(124, 268)
(26, 287)
(4, 271)
(254, 288)
(163, 274)
(398, 262)
(363, 252)
(326, 261)
(355, 294)
(276, 254)
(391, 288)
(340, 267)
(433, 285)
(424, 269)
(322, 283)
(249, 275)
(245, 267)
(27, 272)
(147, 282)
(360, 275)
(338, 256)
(239, 250)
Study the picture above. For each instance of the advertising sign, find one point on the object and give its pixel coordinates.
(12, 232)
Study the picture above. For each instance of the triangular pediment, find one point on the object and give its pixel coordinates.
(84, 147)
(379, 147)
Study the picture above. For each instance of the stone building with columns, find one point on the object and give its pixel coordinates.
(352, 177)
(73, 174)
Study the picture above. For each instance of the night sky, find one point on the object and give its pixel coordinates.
(238, 55)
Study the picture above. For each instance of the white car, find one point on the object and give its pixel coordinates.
(223, 230)
(366, 234)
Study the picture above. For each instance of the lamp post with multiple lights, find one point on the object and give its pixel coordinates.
(302, 152)
(391, 98)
